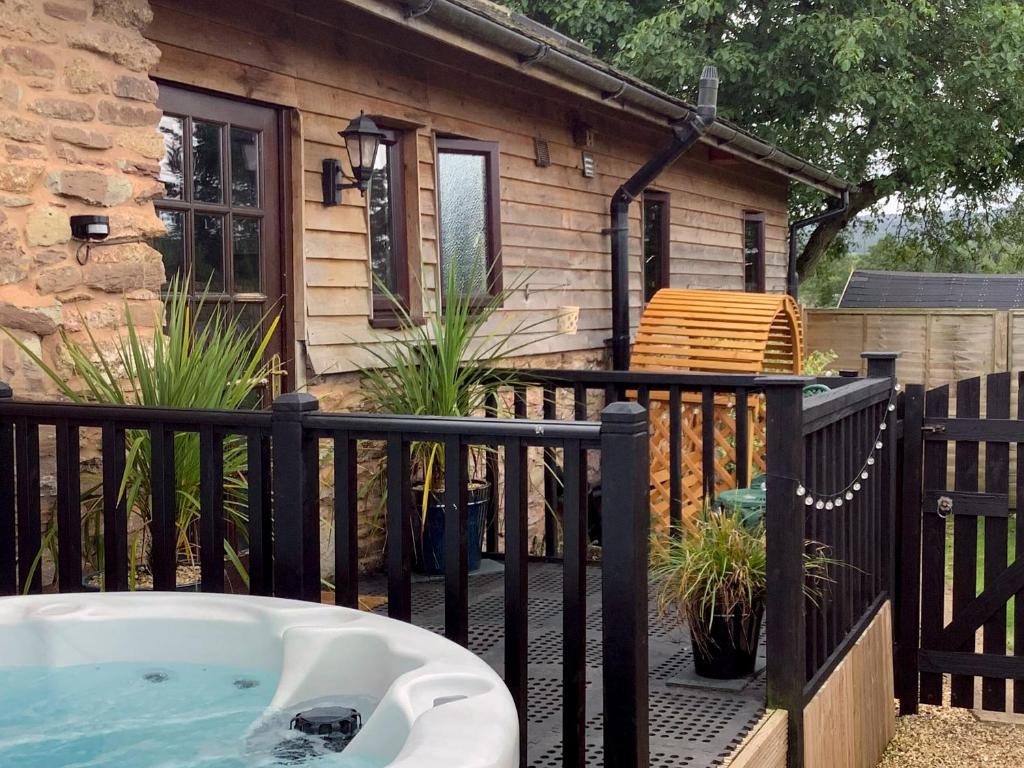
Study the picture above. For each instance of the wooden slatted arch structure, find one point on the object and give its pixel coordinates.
(712, 332)
(719, 332)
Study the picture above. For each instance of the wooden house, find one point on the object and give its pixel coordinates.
(202, 126)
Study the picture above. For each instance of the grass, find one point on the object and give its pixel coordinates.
(1011, 535)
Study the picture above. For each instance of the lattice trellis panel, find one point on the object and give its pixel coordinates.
(712, 331)
(725, 472)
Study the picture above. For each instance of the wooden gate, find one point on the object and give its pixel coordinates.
(960, 584)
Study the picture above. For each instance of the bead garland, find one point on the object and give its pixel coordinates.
(830, 501)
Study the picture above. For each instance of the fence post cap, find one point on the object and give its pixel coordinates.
(5, 390)
(624, 416)
(880, 355)
(294, 402)
(784, 381)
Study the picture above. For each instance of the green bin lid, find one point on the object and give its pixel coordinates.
(745, 500)
(815, 389)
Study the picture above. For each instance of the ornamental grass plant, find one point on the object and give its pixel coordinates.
(202, 359)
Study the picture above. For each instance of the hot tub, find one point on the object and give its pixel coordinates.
(203, 681)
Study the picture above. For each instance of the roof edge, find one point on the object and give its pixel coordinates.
(496, 27)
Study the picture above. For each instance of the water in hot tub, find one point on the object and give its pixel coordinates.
(123, 715)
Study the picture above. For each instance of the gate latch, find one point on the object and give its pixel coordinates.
(934, 429)
(944, 506)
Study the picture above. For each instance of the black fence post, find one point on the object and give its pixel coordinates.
(908, 606)
(296, 494)
(882, 365)
(784, 519)
(8, 548)
(626, 527)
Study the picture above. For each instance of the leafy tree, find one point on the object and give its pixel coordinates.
(924, 98)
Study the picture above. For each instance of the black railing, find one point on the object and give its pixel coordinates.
(833, 450)
(581, 392)
(20, 518)
(282, 445)
(805, 640)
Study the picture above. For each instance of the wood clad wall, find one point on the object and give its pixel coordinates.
(335, 60)
(851, 719)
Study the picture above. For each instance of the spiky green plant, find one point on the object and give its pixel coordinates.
(722, 566)
(213, 363)
(447, 365)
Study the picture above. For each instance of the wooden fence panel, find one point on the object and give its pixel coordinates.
(938, 347)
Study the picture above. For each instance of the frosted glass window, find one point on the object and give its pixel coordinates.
(467, 213)
(464, 235)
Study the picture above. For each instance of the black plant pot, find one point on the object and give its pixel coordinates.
(731, 641)
(428, 547)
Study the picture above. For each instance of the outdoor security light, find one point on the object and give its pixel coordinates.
(362, 137)
(90, 227)
(92, 231)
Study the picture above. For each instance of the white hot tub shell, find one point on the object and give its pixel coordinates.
(439, 705)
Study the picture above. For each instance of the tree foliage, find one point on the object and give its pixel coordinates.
(924, 98)
(992, 243)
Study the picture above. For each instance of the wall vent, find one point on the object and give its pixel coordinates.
(589, 165)
(541, 152)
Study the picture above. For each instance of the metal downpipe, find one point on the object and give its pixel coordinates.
(792, 278)
(683, 137)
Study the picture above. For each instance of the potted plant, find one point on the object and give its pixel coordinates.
(202, 360)
(715, 579)
(445, 365)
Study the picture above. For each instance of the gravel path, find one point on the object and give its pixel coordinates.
(953, 738)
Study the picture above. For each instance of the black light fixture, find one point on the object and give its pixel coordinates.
(91, 231)
(362, 137)
(90, 228)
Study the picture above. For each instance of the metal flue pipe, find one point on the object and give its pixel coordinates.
(684, 136)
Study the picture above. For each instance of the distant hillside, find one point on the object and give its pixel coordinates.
(867, 230)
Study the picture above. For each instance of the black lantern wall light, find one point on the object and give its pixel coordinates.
(362, 137)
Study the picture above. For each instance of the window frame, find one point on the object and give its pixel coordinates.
(489, 150)
(383, 314)
(757, 218)
(665, 276)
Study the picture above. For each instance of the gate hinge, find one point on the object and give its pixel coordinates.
(934, 429)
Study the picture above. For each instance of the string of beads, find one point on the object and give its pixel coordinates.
(836, 499)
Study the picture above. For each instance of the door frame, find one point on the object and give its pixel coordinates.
(283, 191)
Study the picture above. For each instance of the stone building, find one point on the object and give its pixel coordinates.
(201, 127)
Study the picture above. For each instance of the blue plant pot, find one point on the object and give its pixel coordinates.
(428, 544)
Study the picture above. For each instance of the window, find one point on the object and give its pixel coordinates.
(657, 242)
(468, 198)
(220, 203)
(386, 209)
(221, 207)
(753, 252)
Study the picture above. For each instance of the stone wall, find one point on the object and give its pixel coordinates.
(77, 136)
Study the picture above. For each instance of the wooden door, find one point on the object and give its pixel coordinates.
(222, 205)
